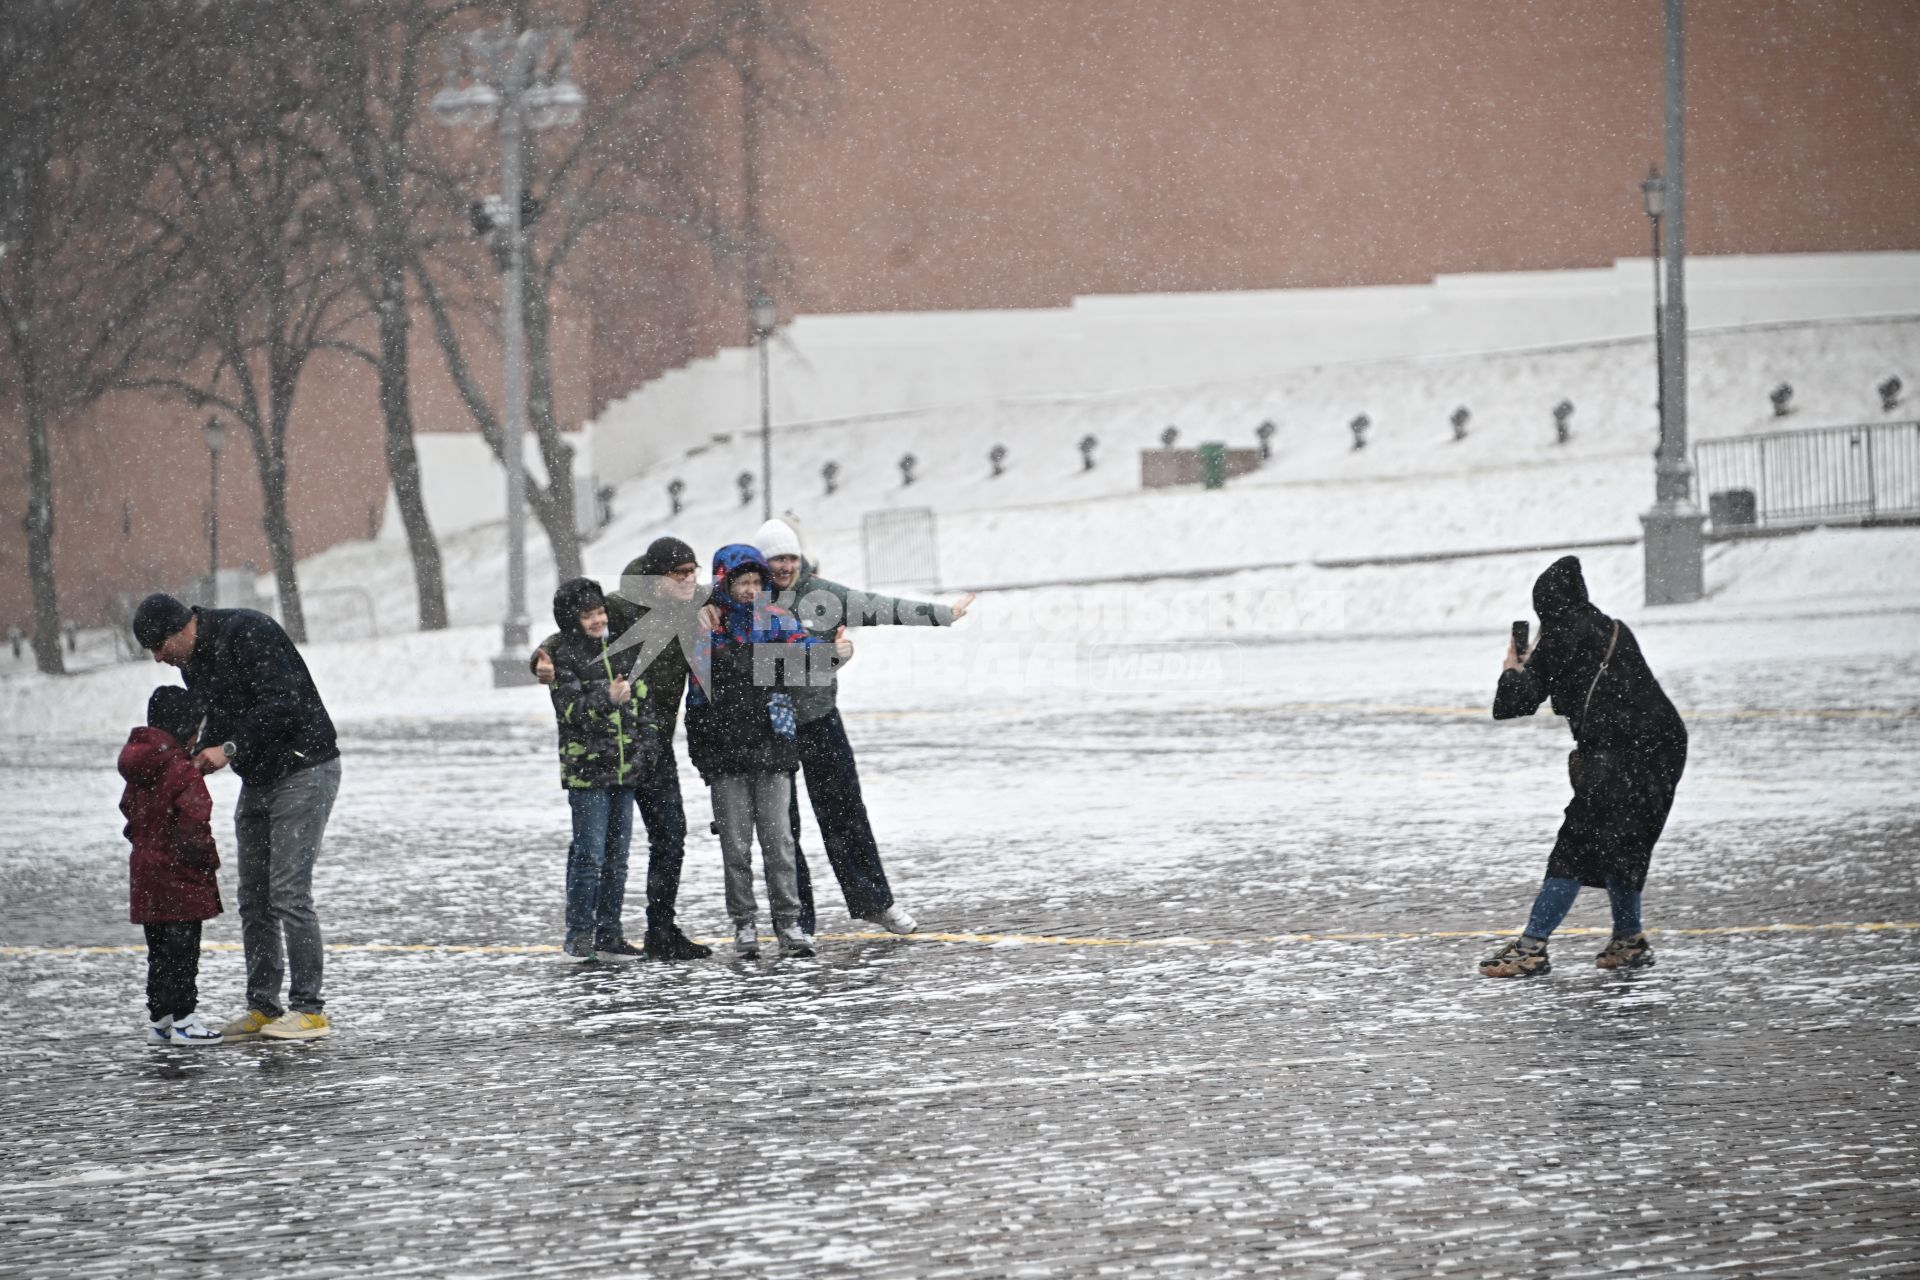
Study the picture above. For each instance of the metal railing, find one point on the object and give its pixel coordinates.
(1821, 475)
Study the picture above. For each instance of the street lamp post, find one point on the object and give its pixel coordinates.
(765, 317)
(1674, 525)
(214, 432)
(535, 89)
(1653, 194)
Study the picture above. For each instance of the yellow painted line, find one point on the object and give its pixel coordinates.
(1045, 939)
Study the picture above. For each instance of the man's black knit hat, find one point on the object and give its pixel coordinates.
(158, 617)
(175, 710)
(665, 554)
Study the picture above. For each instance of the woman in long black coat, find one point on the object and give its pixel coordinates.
(1630, 750)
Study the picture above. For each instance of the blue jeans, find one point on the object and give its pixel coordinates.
(597, 861)
(1556, 899)
(665, 818)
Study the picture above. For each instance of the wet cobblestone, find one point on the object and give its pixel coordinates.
(909, 1107)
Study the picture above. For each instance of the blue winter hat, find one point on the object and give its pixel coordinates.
(734, 558)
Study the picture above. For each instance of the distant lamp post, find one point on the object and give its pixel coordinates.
(513, 81)
(1563, 422)
(1674, 544)
(1167, 437)
(675, 489)
(830, 473)
(745, 481)
(1782, 399)
(907, 464)
(1653, 197)
(997, 458)
(1459, 418)
(1088, 444)
(214, 432)
(1264, 434)
(765, 317)
(1359, 427)
(1889, 394)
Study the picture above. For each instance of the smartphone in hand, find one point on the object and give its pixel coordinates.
(1520, 630)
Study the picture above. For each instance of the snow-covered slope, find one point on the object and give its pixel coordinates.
(1412, 489)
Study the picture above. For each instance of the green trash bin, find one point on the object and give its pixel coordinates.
(1213, 466)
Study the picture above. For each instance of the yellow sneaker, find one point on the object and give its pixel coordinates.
(298, 1026)
(245, 1027)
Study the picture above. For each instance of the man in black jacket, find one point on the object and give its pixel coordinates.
(266, 720)
(1630, 750)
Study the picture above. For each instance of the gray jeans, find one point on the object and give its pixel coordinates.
(740, 804)
(278, 828)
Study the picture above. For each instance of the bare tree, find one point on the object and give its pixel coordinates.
(244, 190)
(77, 275)
(377, 52)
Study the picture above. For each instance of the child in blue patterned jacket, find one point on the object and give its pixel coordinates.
(740, 736)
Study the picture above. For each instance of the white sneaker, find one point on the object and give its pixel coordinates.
(895, 919)
(190, 1030)
(158, 1031)
(746, 939)
(794, 941)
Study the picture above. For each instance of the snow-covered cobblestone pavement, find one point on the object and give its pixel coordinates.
(1217, 1014)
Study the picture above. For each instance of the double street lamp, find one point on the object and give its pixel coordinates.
(765, 317)
(515, 80)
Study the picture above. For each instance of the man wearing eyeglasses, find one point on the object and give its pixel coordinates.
(657, 608)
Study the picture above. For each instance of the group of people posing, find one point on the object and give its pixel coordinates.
(755, 656)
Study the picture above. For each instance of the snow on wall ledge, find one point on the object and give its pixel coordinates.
(845, 366)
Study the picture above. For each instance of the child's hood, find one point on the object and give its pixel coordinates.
(147, 755)
(732, 559)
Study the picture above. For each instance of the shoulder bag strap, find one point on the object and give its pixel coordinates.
(1604, 660)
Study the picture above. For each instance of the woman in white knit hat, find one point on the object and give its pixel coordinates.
(826, 757)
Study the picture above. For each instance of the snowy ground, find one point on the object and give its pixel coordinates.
(1150, 1058)
(1204, 863)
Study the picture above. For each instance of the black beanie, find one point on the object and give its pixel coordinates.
(663, 555)
(175, 710)
(575, 597)
(158, 617)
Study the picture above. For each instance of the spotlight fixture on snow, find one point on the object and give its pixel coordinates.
(831, 474)
(1889, 394)
(997, 458)
(674, 489)
(1562, 422)
(745, 481)
(1359, 427)
(1088, 444)
(1459, 419)
(1168, 436)
(1782, 398)
(907, 463)
(1264, 434)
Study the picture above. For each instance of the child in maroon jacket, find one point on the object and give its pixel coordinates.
(169, 822)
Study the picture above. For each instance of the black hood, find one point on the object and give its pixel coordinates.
(575, 597)
(1561, 589)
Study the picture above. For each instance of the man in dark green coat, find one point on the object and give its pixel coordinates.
(657, 608)
(826, 757)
